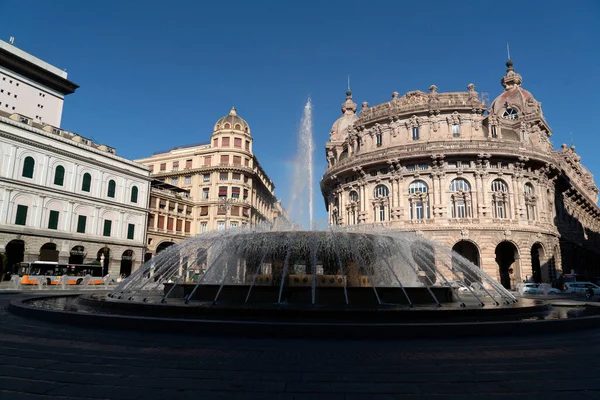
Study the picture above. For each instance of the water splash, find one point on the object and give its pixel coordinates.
(303, 172)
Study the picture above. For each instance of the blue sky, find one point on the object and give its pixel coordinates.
(159, 76)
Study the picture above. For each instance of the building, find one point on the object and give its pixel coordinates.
(62, 197)
(484, 181)
(209, 186)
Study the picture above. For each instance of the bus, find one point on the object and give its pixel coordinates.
(30, 273)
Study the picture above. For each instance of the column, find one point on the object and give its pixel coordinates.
(516, 197)
(42, 209)
(68, 222)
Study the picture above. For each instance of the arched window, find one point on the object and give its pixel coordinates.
(227, 126)
(530, 202)
(134, 194)
(238, 127)
(354, 196)
(510, 113)
(28, 166)
(111, 188)
(418, 198)
(460, 199)
(500, 199)
(59, 175)
(381, 191)
(455, 130)
(86, 184)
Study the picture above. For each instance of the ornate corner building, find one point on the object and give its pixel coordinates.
(485, 182)
(209, 186)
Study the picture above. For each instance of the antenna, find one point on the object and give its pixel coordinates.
(348, 82)
(11, 40)
(508, 50)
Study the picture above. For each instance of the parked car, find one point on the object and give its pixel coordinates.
(537, 288)
(587, 288)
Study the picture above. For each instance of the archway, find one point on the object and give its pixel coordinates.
(469, 251)
(126, 263)
(103, 256)
(537, 255)
(77, 255)
(48, 252)
(507, 255)
(163, 246)
(15, 252)
(147, 257)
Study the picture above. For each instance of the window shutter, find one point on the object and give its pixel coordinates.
(111, 188)
(225, 142)
(203, 211)
(130, 231)
(237, 160)
(188, 164)
(237, 142)
(224, 159)
(87, 182)
(188, 226)
(179, 225)
(175, 164)
(59, 175)
(81, 220)
(107, 226)
(134, 194)
(21, 218)
(207, 160)
(235, 190)
(170, 224)
(161, 222)
(53, 220)
(222, 190)
(28, 166)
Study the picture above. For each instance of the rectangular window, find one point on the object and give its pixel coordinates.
(224, 159)
(163, 166)
(179, 225)
(237, 160)
(207, 160)
(410, 167)
(220, 225)
(236, 176)
(130, 231)
(107, 227)
(188, 164)
(206, 178)
(174, 181)
(235, 211)
(455, 130)
(423, 167)
(170, 224)
(151, 168)
(203, 211)
(247, 145)
(494, 131)
(237, 143)
(223, 176)
(246, 162)
(460, 209)
(161, 222)
(233, 224)
(81, 221)
(225, 142)
(53, 220)
(222, 192)
(205, 194)
(415, 133)
(381, 213)
(215, 142)
(235, 192)
(175, 165)
(188, 226)
(188, 180)
(21, 218)
(203, 227)
(379, 140)
(245, 194)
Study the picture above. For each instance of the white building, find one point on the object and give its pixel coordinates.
(64, 198)
(32, 87)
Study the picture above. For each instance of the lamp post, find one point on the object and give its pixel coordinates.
(226, 203)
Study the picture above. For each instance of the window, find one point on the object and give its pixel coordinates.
(151, 168)
(223, 176)
(381, 213)
(510, 113)
(21, 218)
(494, 131)
(247, 145)
(233, 224)
(111, 188)
(215, 142)
(225, 142)
(174, 181)
(237, 160)
(415, 133)
(417, 186)
(530, 202)
(235, 192)
(206, 178)
(246, 162)
(163, 166)
(188, 164)
(107, 226)
(207, 161)
(423, 167)
(220, 225)
(236, 176)
(175, 165)
(222, 192)
(224, 159)
(353, 196)
(455, 130)
(130, 231)
(418, 199)
(528, 189)
(86, 183)
(499, 199)
(411, 167)
(381, 191)
(134, 194)
(59, 175)
(28, 166)
(237, 143)
(460, 199)
(205, 194)
(53, 220)
(187, 180)
(81, 220)
(203, 211)
(203, 227)
(379, 139)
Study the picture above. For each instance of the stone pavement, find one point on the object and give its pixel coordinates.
(41, 361)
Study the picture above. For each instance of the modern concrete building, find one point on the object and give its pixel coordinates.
(62, 197)
(209, 186)
(483, 180)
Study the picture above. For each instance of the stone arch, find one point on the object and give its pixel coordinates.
(103, 256)
(469, 250)
(21, 157)
(77, 255)
(15, 253)
(48, 252)
(537, 263)
(163, 245)
(127, 259)
(507, 258)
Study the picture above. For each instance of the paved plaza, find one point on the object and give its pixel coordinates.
(41, 361)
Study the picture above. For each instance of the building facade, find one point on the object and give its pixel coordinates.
(63, 197)
(223, 182)
(484, 181)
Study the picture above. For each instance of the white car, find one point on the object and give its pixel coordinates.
(537, 288)
(587, 288)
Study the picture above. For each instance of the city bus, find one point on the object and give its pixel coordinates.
(30, 273)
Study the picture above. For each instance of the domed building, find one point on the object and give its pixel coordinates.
(208, 186)
(484, 181)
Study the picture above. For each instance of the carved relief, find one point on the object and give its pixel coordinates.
(454, 118)
(434, 121)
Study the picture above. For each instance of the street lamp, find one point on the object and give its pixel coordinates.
(226, 203)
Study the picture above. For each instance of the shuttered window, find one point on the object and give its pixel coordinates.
(130, 231)
(188, 164)
(237, 160)
(188, 226)
(86, 184)
(224, 159)
(107, 227)
(28, 166)
(237, 143)
(203, 211)
(53, 220)
(111, 188)
(59, 175)
(208, 160)
(225, 142)
(134, 194)
(81, 221)
(21, 218)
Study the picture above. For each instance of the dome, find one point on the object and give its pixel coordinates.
(232, 122)
(514, 101)
(339, 130)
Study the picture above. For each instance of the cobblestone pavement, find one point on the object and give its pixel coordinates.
(41, 361)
